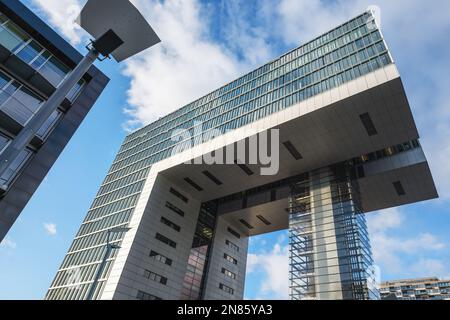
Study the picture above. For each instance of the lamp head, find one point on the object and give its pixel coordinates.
(118, 27)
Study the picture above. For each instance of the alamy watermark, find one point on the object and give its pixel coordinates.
(261, 149)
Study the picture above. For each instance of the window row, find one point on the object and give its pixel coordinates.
(232, 246)
(17, 41)
(166, 240)
(11, 173)
(95, 239)
(86, 256)
(161, 258)
(233, 232)
(77, 275)
(226, 289)
(129, 179)
(106, 222)
(170, 224)
(228, 273)
(155, 277)
(118, 194)
(112, 176)
(21, 104)
(141, 295)
(175, 209)
(111, 208)
(230, 259)
(179, 195)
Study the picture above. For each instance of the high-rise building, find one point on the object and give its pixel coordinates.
(34, 60)
(343, 143)
(416, 289)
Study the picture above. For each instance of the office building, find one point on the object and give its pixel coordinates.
(34, 60)
(340, 125)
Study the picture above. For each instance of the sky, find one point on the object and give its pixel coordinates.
(205, 45)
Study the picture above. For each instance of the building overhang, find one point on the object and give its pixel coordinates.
(325, 130)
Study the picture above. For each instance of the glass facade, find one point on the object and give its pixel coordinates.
(194, 279)
(19, 43)
(330, 253)
(17, 100)
(345, 53)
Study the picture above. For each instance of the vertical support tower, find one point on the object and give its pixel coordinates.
(330, 254)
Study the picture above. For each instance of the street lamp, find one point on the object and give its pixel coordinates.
(109, 248)
(119, 31)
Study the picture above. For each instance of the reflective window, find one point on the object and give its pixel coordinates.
(12, 37)
(30, 51)
(15, 167)
(3, 142)
(146, 296)
(54, 71)
(49, 124)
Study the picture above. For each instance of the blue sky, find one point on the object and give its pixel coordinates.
(206, 44)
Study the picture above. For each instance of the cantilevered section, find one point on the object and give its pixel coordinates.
(328, 130)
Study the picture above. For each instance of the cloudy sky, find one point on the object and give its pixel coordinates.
(206, 44)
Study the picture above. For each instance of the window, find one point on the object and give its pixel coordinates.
(230, 259)
(170, 224)
(23, 105)
(246, 224)
(9, 175)
(226, 289)
(159, 257)
(228, 273)
(166, 240)
(178, 195)
(155, 277)
(175, 209)
(232, 245)
(213, 178)
(146, 296)
(193, 184)
(264, 220)
(234, 233)
(3, 142)
(368, 124)
(48, 125)
(399, 188)
(30, 51)
(54, 71)
(12, 37)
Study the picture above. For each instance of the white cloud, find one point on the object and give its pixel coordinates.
(8, 243)
(274, 265)
(432, 267)
(62, 14)
(391, 250)
(50, 228)
(185, 66)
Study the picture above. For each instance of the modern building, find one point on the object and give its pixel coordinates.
(416, 289)
(34, 60)
(337, 115)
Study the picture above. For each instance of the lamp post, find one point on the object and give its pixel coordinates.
(119, 31)
(109, 248)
